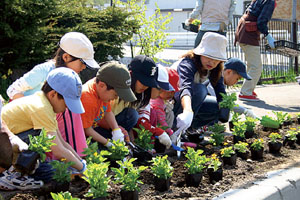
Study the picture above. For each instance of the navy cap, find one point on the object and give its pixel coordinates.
(238, 66)
(145, 70)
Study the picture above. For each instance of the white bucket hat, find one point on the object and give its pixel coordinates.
(78, 45)
(212, 45)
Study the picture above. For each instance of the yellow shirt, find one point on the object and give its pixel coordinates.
(34, 111)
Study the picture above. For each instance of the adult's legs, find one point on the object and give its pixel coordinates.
(254, 67)
(127, 118)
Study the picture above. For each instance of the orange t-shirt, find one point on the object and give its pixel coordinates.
(94, 107)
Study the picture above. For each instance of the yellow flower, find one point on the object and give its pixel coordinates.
(293, 129)
(9, 72)
(63, 159)
(225, 143)
(213, 156)
(95, 154)
(4, 77)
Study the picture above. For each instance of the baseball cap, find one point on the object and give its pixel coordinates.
(173, 78)
(163, 78)
(78, 45)
(145, 70)
(238, 66)
(212, 45)
(117, 76)
(67, 83)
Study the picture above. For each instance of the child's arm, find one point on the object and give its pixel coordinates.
(113, 124)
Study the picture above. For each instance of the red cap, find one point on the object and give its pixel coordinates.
(173, 78)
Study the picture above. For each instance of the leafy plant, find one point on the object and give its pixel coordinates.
(298, 115)
(258, 144)
(96, 176)
(274, 137)
(228, 101)
(41, 143)
(92, 155)
(291, 135)
(241, 147)
(144, 138)
(217, 138)
(214, 162)
(227, 152)
(288, 117)
(280, 116)
(236, 117)
(63, 196)
(118, 150)
(269, 122)
(196, 162)
(250, 124)
(239, 129)
(196, 22)
(128, 175)
(61, 173)
(161, 167)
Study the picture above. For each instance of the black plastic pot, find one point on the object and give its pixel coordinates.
(287, 123)
(230, 125)
(215, 176)
(26, 161)
(129, 195)
(193, 180)
(162, 184)
(257, 155)
(298, 120)
(224, 114)
(249, 134)
(244, 156)
(159, 147)
(290, 143)
(195, 137)
(230, 160)
(236, 139)
(298, 138)
(60, 187)
(274, 147)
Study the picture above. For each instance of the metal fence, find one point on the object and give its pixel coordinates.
(275, 64)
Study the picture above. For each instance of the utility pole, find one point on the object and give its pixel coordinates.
(111, 2)
(294, 31)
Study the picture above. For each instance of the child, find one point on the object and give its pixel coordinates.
(75, 52)
(96, 96)
(61, 90)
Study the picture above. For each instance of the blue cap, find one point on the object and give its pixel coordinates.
(238, 66)
(67, 83)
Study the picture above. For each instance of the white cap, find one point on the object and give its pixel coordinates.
(78, 45)
(212, 45)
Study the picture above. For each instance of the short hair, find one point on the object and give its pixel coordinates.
(6, 155)
(108, 86)
(47, 88)
(58, 58)
(234, 71)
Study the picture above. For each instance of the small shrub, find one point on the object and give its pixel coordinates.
(228, 101)
(118, 150)
(241, 147)
(274, 137)
(217, 136)
(227, 152)
(239, 129)
(92, 155)
(161, 167)
(250, 124)
(61, 172)
(63, 196)
(214, 162)
(196, 162)
(144, 138)
(291, 135)
(280, 116)
(258, 144)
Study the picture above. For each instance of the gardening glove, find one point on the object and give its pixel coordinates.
(187, 22)
(84, 167)
(184, 120)
(16, 142)
(117, 135)
(173, 138)
(108, 143)
(250, 113)
(270, 41)
(165, 140)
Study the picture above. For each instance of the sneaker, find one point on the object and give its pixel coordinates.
(254, 94)
(4, 177)
(248, 97)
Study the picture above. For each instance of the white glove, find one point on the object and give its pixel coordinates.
(117, 135)
(108, 143)
(84, 166)
(173, 138)
(250, 113)
(186, 22)
(17, 142)
(270, 41)
(165, 140)
(184, 120)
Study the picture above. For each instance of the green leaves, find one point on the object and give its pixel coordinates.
(269, 122)
(227, 152)
(250, 123)
(144, 138)
(228, 101)
(63, 196)
(118, 150)
(41, 144)
(239, 129)
(196, 162)
(217, 135)
(61, 172)
(161, 167)
(258, 144)
(241, 147)
(274, 137)
(92, 155)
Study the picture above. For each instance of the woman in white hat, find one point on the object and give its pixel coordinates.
(202, 63)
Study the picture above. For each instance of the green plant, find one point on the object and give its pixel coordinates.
(96, 176)
(217, 136)
(258, 144)
(4, 83)
(269, 122)
(92, 155)
(41, 143)
(196, 22)
(196, 162)
(274, 137)
(63, 196)
(241, 147)
(228, 101)
(236, 117)
(227, 152)
(239, 129)
(280, 116)
(144, 138)
(118, 150)
(291, 135)
(298, 115)
(61, 173)
(161, 167)
(128, 175)
(288, 117)
(214, 162)
(250, 124)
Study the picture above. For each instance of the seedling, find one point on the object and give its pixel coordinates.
(274, 137)
(215, 163)
(161, 167)
(228, 101)
(250, 124)
(196, 162)
(239, 129)
(63, 196)
(227, 152)
(61, 173)
(118, 150)
(241, 147)
(291, 135)
(128, 175)
(236, 117)
(258, 144)
(144, 138)
(92, 155)
(280, 116)
(96, 176)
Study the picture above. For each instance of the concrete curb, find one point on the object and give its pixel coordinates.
(278, 185)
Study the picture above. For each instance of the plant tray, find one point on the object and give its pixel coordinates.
(285, 47)
(191, 27)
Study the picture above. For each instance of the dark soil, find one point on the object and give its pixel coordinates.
(239, 176)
